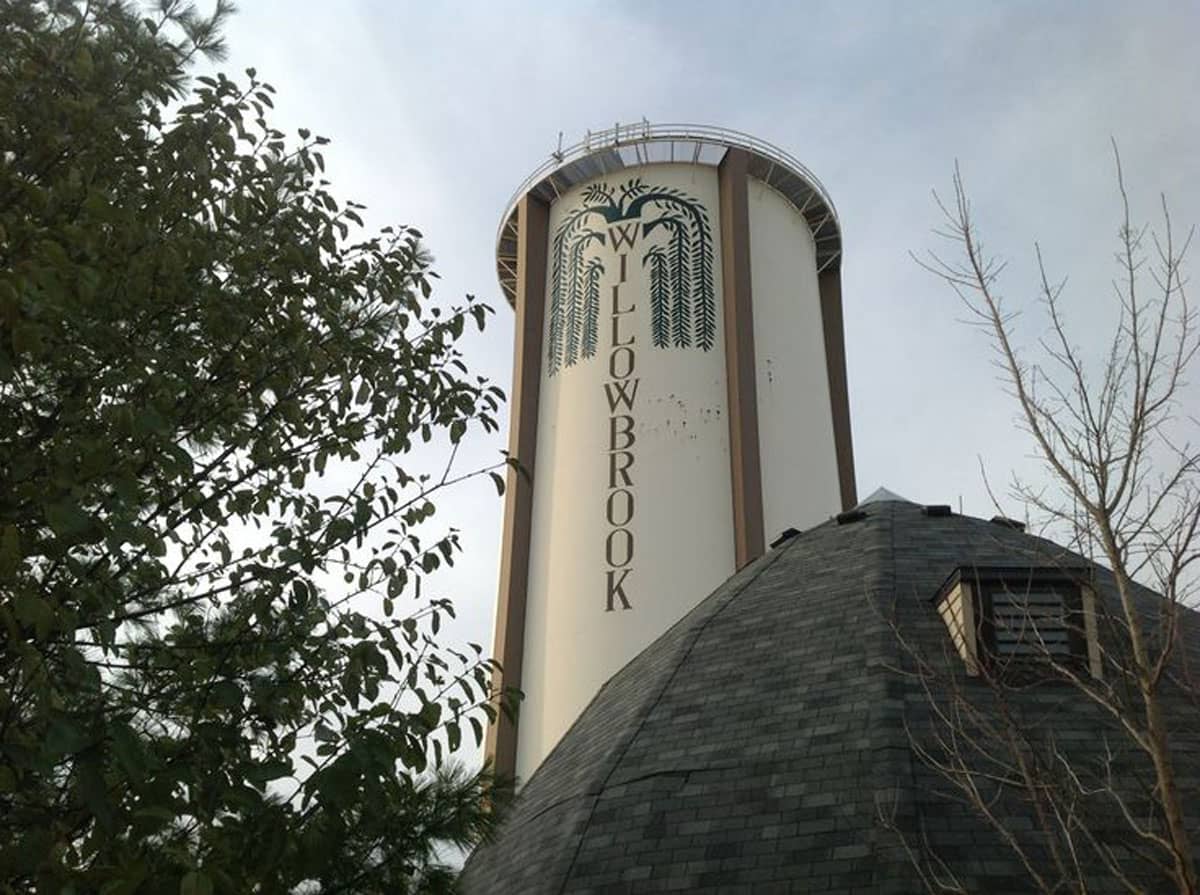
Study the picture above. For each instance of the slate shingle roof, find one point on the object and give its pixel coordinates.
(752, 747)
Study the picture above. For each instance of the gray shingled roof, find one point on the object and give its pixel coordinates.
(752, 746)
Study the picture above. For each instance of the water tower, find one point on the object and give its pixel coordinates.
(678, 399)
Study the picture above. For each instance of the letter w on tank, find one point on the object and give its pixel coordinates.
(621, 392)
(623, 234)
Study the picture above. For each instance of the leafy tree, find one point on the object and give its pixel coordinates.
(210, 383)
(447, 811)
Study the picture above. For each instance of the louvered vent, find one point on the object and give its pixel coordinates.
(1030, 623)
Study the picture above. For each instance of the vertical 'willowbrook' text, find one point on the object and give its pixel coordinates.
(620, 391)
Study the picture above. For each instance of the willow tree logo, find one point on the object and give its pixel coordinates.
(674, 231)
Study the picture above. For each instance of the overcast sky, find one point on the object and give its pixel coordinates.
(438, 111)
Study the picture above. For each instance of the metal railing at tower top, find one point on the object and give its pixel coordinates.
(628, 145)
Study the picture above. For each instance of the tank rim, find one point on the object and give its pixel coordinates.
(624, 146)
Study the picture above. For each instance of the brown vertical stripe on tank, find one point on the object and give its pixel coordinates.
(533, 218)
(745, 462)
(830, 284)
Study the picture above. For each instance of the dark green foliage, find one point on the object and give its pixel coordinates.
(575, 294)
(680, 266)
(382, 853)
(554, 346)
(591, 308)
(659, 300)
(704, 289)
(214, 676)
(681, 269)
(583, 298)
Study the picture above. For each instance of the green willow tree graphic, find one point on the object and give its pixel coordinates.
(679, 262)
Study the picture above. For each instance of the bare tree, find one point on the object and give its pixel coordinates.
(1123, 491)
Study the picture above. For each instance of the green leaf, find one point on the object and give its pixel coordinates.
(34, 611)
(226, 694)
(91, 787)
(300, 594)
(128, 749)
(67, 518)
(498, 481)
(430, 715)
(195, 883)
(266, 771)
(10, 550)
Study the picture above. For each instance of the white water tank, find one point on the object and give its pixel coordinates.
(679, 398)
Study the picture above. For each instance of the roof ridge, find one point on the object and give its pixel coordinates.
(896, 771)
